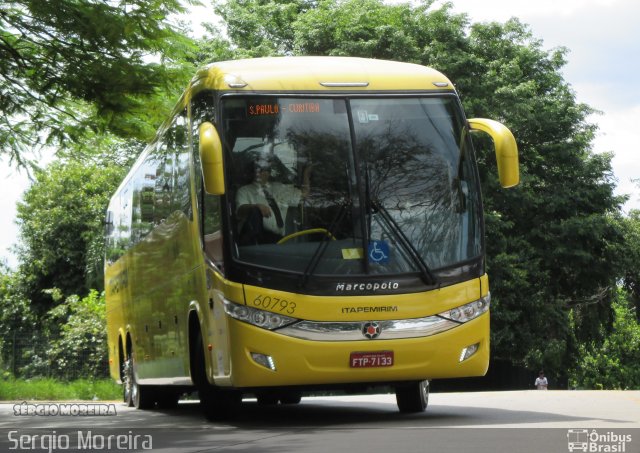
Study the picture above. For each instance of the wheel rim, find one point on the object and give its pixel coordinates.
(424, 390)
(128, 381)
(134, 392)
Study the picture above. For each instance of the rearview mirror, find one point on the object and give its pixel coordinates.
(211, 158)
(506, 149)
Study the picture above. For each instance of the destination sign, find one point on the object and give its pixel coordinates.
(276, 108)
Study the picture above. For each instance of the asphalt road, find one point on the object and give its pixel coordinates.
(521, 421)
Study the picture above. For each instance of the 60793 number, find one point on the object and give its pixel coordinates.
(274, 304)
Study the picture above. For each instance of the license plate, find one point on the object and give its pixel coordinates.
(371, 359)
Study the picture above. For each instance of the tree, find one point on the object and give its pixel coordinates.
(557, 233)
(631, 254)
(79, 349)
(262, 28)
(372, 29)
(67, 66)
(67, 341)
(17, 320)
(61, 228)
(613, 362)
(214, 47)
(553, 243)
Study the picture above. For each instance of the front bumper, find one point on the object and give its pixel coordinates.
(300, 362)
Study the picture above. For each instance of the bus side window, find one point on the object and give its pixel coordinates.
(142, 209)
(112, 221)
(146, 200)
(163, 183)
(125, 219)
(179, 145)
(172, 177)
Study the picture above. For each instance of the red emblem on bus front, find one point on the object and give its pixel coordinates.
(371, 330)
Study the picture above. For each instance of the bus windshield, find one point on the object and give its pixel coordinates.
(350, 186)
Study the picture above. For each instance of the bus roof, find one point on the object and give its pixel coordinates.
(317, 74)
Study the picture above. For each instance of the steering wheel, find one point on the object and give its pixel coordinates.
(305, 232)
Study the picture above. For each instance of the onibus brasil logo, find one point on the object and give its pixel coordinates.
(593, 441)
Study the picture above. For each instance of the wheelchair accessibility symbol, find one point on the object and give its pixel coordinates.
(378, 252)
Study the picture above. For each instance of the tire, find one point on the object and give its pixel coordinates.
(291, 398)
(412, 397)
(216, 404)
(219, 404)
(267, 399)
(143, 397)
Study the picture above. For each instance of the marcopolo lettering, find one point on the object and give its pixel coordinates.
(370, 286)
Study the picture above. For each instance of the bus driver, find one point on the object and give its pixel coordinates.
(262, 205)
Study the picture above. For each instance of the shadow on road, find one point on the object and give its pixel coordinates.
(321, 414)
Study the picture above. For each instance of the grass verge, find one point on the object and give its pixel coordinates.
(43, 389)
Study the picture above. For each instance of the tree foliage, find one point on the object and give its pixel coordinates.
(61, 228)
(630, 256)
(613, 362)
(553, 242)
(67, 66)
(17, 319)
(16, 316)
(80, 347)
(67, 341)
(262, 27)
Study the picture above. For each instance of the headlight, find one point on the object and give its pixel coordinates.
(260, 318)
(468, 311)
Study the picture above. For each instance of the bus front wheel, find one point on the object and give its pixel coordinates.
(216, 403)
(413, 396)
(291, 398)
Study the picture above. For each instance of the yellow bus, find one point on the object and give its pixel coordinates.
(302, 223)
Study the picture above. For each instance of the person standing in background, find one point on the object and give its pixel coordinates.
(541, 381)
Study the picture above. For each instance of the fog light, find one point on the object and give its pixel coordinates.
(264, 360)
(469, 351)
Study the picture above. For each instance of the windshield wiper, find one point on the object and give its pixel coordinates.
(405, 243)
(322, 247)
